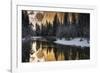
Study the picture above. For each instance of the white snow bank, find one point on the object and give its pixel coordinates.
(35, 37)
(75, 42)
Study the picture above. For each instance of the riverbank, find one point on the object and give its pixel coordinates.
(74, 42)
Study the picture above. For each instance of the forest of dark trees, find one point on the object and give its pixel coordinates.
(78, 28)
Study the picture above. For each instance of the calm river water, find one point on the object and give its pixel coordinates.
(43, 50)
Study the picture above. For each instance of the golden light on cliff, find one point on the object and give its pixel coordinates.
(44, 17)
(60, 17)
(48, 17)
(70, 18)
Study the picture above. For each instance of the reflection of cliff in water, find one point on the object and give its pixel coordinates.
(38, 51)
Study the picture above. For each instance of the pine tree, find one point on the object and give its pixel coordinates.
(65, 18)
(55, 25)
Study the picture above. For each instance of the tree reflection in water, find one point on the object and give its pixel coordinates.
(40, 51)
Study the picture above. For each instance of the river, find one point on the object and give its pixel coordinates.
(41, 50)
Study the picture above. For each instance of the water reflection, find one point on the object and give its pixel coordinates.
(40, 51)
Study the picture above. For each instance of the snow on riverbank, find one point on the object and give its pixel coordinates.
(75, 42)
(35, 37)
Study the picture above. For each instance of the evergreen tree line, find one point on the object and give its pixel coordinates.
(57, 29)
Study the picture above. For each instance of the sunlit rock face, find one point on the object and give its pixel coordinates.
(35, 17)
(49, 17)
(44, 17)
(70, 18)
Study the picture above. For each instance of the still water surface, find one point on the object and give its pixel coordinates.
(41, 51)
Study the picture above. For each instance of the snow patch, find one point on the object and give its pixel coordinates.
(75, 42)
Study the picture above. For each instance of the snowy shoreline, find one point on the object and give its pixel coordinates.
(74, 42)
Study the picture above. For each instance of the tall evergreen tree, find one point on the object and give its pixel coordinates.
(65, 18)
(55, 25)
